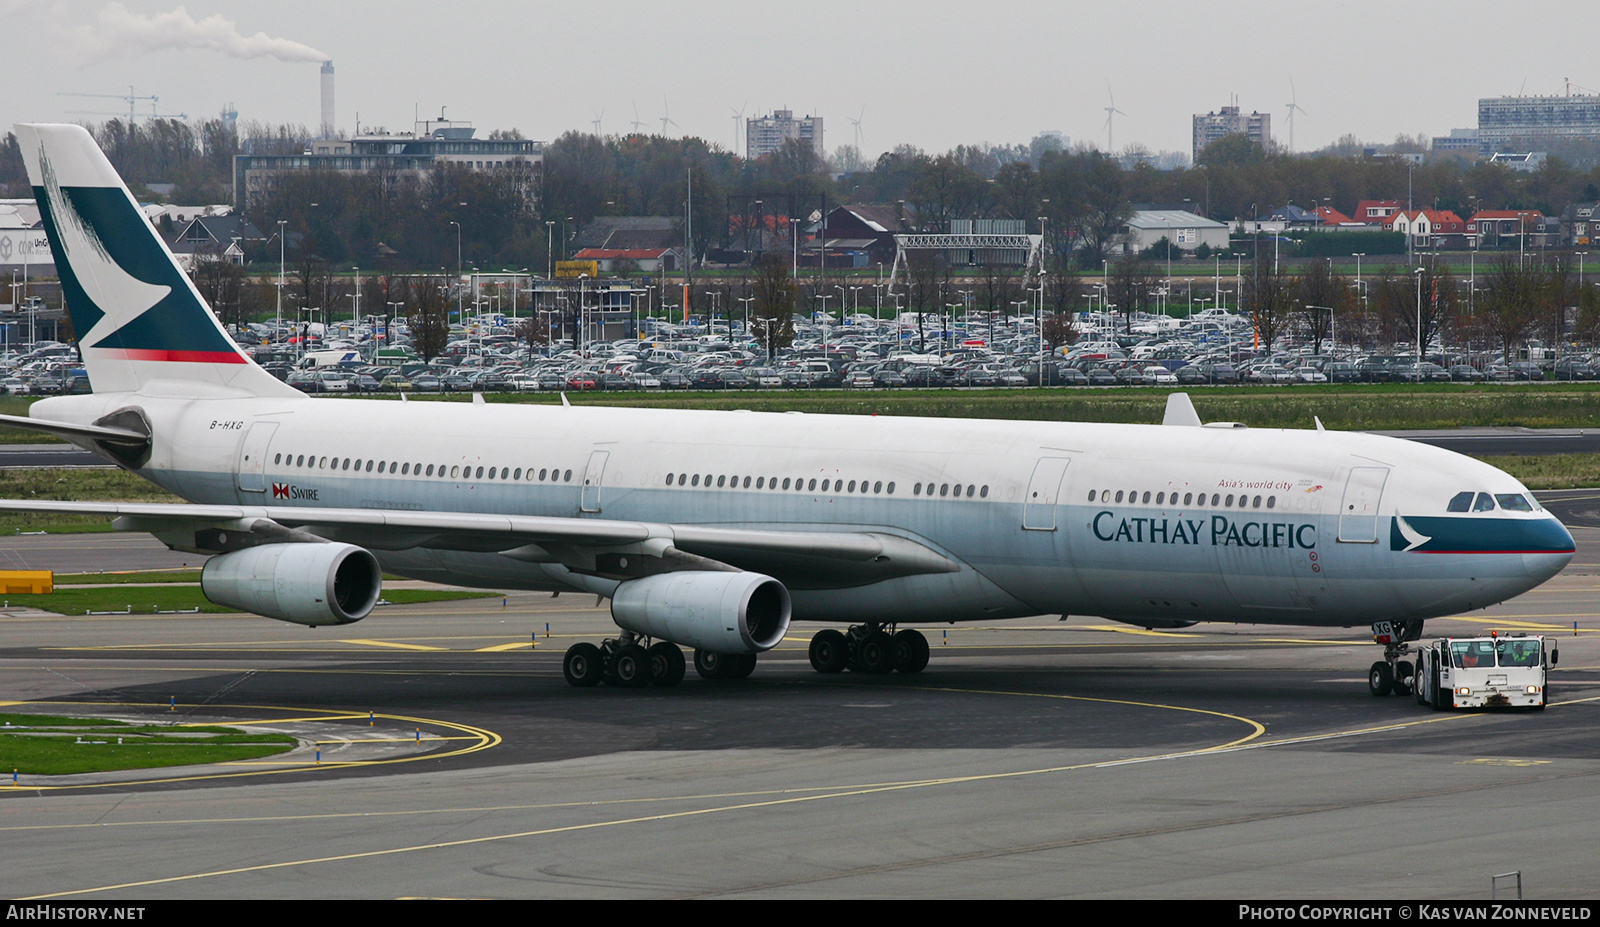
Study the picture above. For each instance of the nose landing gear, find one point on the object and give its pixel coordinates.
(1392, 675)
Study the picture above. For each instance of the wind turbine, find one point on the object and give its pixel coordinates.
(738, 119)
(1292, 107)
(637, 125)
(666, 118)
(857, 123)
(1111, 113)
(597, 117)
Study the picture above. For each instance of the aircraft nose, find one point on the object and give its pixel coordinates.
(1552, 556)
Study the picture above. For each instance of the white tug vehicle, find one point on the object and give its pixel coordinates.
(1496, 671)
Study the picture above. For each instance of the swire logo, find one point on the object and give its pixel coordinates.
(280, 490)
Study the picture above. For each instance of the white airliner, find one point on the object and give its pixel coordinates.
(713, 529)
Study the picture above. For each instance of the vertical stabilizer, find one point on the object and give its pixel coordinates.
(137, 314)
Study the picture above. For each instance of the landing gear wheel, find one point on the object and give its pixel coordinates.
(1380, 679)
(830, 651)
(582, 665)
(739, 665)
(1404, 678)
(630, 668)
(876, 654)
(666, 664)
(710, 664)
(910, 651)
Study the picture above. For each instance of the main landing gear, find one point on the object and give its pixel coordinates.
(868, 648)
(1392, 675)
(627, 663)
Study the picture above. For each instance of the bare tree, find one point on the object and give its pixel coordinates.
(1319, 295)
(774, 295)
(1268, 300)
(430, 315)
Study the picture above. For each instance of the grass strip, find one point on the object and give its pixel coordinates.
(52, 745)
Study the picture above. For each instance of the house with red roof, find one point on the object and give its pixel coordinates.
(1374, 212)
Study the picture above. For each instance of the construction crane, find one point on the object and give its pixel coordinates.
(132, 98)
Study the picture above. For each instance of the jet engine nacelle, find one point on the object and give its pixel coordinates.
(310, 584)
(720, 612)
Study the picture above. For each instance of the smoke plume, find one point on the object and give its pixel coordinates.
(117, 30)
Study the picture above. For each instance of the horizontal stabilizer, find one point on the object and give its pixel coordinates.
(70, 430)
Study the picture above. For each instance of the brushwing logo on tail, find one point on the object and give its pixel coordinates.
(118, 281)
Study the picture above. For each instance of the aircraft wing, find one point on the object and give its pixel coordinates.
(805, 559)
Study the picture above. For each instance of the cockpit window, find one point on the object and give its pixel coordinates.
(1461, 502)
(1513, 502)
(1485, 503)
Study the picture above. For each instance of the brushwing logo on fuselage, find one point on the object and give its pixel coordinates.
(119, 283)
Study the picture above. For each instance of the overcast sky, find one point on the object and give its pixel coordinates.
(933, 74)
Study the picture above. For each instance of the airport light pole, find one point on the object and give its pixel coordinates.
(278, 319)
(1419, 271)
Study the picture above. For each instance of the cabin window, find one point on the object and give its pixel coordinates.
(1119, 495)
(568, 477)
(1272, 502)
(1160, 497)
(852, 486)
(1188, 497)
(517, 474)
(1229, 501)
(670, 478)
(944, 490)
(983, 493)
(430, 468)
(812, 486)
(1091, 495)
(405, 469)
(301, 461)
(695, 481)
(747, 483)
(277, 458)
(890, 487)
(1215, 497)
(1146, 498)
(1256, 502)
(824, 485)
(786, 482)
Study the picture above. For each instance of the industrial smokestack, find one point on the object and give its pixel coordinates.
(327, 99)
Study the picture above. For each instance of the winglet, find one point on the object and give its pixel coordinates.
(1180, 411)
(1319, 423)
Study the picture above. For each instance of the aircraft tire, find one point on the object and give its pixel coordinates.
(712, 665)
(830, 651)
(910, 651)
(877, 653)
(740, 665)
(666, 664)
(1380, 679)
(582, 665)
(1402, 672)
(630, 668)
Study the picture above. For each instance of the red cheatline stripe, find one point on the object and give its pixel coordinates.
(1570, 550)
(181, 357)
